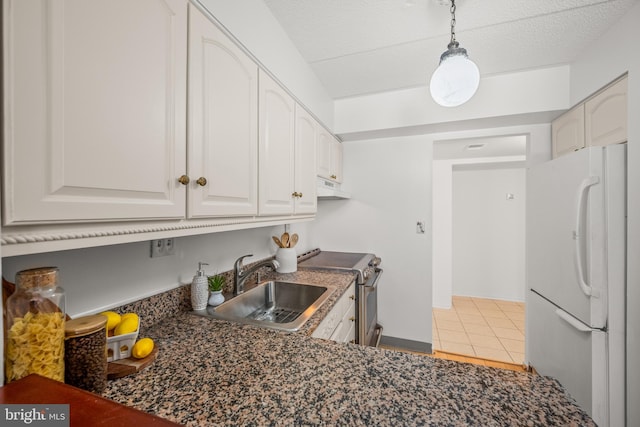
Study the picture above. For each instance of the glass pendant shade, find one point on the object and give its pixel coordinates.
(456, 79)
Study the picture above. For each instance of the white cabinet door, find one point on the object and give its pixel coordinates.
(336, 161)
(276, 148)
(606, 116)
(223, 124)
(305, 162)
(324, 154)
(329, 157)
(567, 132)
(95, 97)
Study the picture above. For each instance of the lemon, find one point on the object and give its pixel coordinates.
(142, 348)
(127, 325)
(113, 319)
(126, 315)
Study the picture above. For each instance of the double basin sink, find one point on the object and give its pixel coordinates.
(285, 306)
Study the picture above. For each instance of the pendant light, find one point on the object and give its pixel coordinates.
(457, 77)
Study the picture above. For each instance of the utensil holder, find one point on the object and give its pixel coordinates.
(287, 259)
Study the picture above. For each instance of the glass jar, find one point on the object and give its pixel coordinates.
(85, 353)
(35, 326)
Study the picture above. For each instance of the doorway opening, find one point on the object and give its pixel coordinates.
(478, 247)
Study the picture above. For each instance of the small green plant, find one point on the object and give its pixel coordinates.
(216, 282)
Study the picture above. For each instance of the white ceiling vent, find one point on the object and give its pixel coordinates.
(474, 146)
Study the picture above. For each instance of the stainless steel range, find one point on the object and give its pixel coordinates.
(368, 272)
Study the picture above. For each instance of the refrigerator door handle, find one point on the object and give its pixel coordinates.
(583, 189)
(572, 321)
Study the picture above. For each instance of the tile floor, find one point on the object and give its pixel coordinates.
(486, 328)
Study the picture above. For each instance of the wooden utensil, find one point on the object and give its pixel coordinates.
(285, 240)
(294, 240)
(278, 242)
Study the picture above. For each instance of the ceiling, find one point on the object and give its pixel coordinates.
(361, 47)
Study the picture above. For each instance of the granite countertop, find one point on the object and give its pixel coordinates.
(212, 372)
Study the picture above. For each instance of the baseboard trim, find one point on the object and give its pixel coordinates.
(404, 344)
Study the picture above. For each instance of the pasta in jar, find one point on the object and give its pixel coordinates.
(36, 326)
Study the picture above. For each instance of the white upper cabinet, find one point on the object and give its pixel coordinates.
(95, 110)
(329, 156)
(305, 185)
(606, 116)
(223, 124)
(567, 132)
(600, 120)
(287, 153)
(276, 116)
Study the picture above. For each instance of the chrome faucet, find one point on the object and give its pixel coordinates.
(240, 274)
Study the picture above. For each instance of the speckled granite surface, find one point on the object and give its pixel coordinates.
(211, 372)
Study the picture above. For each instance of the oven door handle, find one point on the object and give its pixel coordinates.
(378, 273)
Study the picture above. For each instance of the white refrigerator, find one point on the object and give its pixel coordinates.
(576, 272)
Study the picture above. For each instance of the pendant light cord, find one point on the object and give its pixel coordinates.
(453, 23)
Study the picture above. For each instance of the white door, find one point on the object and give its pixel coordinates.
(223, 124)
(562, 347)
(95, 110)
(276, 148)
(565, 234)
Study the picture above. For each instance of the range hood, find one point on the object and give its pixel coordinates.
(330, 190)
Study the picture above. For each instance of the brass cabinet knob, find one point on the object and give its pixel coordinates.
(202, 181)
(296, 194)
(333, 177)
(184, 180)
(299, 194)
(352, 297)
(353, 319)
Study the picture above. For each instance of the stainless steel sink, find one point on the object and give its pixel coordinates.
(279, 305)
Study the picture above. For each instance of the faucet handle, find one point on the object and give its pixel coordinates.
(238, 264)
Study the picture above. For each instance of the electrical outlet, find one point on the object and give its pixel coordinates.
(169, 246)
(162, 247)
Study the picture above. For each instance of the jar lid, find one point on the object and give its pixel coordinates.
(37, 277)
(84, 325)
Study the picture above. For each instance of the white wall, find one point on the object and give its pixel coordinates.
(390, 182)
(489, 233)
(100, 278)
(610, 56)
(252, 23)
(501, 95)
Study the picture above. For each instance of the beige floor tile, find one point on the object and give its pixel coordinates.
(513, 334)
(517, 357)
(453, 336)
(510, 306)
(486, 304)
(492, 353)
(451, 325)
(472, 319)
(471, 328)
(515, 315)
(448, 315)
(485, 341)
(468, 310)
(500, 323)
(518, 323)
(516, 346)
(455, 347)
(494, 314)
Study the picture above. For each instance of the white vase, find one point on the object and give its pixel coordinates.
(287, 259)
(199, 293)
(216, 298)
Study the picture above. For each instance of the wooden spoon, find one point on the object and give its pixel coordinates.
(285, 240)
(278, 242)
(294, 240)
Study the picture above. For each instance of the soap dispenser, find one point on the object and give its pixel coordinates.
(199, 289)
